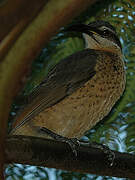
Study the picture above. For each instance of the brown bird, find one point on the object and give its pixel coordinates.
(80, 90)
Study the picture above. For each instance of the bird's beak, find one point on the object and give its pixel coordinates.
(83, 28)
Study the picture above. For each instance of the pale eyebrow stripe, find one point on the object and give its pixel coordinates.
(104, 27)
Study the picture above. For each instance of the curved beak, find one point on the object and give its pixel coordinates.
(83, 28)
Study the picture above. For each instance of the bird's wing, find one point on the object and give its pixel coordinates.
(66, 77)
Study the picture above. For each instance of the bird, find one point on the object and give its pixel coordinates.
(80, 90)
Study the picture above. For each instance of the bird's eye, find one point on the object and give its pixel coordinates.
(106, 32)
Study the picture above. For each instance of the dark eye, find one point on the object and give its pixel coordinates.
(106, 32)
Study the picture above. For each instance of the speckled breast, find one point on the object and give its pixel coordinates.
(80, 111)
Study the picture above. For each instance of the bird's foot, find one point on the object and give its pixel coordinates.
(110, 154)
(73, 142)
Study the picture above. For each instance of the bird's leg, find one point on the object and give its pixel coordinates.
(73, 142)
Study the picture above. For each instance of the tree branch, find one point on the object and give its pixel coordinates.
(14, 20)
(54, 154)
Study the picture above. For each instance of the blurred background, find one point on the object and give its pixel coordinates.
(117, 130)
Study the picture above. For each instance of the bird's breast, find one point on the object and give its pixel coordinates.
(80, 111)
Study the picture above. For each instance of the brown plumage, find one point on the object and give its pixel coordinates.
(80, 90)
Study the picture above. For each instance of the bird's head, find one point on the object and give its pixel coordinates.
(99, 35)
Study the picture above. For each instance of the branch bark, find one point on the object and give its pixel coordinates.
(14, 19)
(55, 154)
(12, 12)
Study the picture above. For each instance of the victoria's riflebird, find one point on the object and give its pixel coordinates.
(80, 90)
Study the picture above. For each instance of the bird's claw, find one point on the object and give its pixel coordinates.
(110, 154)
(73, 142)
